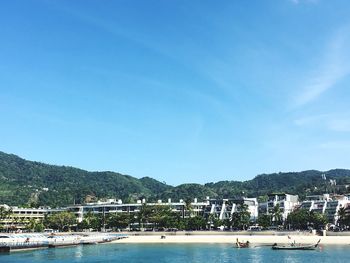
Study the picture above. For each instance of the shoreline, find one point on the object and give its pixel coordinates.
(214, 237)
(231, 239)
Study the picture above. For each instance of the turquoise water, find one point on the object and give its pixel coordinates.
(170, 253)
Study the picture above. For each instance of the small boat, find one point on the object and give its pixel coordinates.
(242, 244)
(295, 246)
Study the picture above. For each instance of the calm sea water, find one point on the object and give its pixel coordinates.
(170, 253)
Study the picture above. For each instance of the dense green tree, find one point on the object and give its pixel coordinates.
(264, 220)
(35, 225)
(31, 224)
(162, 216)
(302, 219)
(83, 225)
(118, 220)
(5, 213)
(342, 217)
(298, 219)
(241, 218)
(177, 221)
(144, 215)
(214, 222)
(91, 221)
(97, 222)
(195, 223)
(217, 223)
(228, 223)
(39, 227)
(62, 221)
(317, 220)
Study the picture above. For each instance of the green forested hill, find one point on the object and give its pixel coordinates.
(188, 191)
(300, 183)
(25, 182)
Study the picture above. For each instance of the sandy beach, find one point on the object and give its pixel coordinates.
(231, 239)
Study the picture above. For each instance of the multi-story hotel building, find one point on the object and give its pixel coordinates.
(19, 217)
(117, 206)
(286, 203)
(224, 208)
(220, 208)
(327, 204)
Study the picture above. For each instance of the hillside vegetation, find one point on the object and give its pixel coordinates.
(24, 183)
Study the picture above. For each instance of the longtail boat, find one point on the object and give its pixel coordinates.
(242, 244)
(295, 246)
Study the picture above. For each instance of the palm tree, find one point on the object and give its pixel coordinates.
(244, 216)
(162, 216)
(277, 214)
(143, 215)
(211, 220)
(341, 216)
(188, 208)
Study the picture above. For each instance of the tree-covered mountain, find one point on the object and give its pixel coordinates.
(188, 191)
(300, 183)
(25, 182)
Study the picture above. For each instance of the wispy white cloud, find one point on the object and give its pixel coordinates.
(309, 120)
(334, 67)
(296, 2)
(331, 122)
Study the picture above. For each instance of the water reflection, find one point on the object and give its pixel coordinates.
(78, 252)
(175, 253)
(256, 256)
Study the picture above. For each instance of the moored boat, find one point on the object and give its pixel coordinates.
(242, 244)
(295, 246)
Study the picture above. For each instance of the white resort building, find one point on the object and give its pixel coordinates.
(286, 203)
(327, 204)
(224, 208)
(19, 217)
(117, 206)
(220, 208)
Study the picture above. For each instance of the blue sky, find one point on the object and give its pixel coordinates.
(181, 91)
